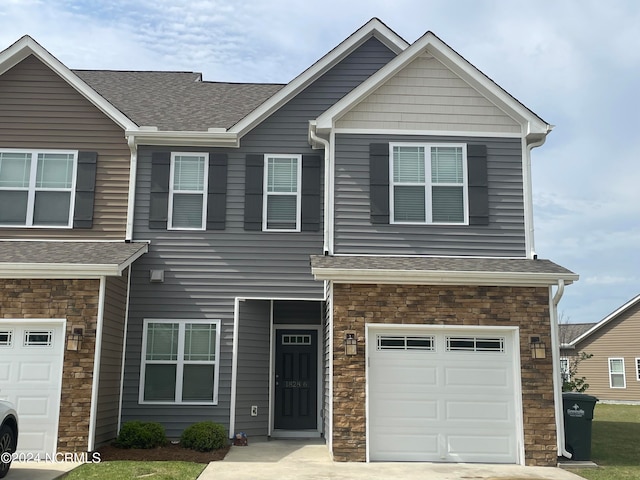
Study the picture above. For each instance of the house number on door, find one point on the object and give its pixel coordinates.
(296, 384)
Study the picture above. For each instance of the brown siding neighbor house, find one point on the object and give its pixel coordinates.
(613, 372)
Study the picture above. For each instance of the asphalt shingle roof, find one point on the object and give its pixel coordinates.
(81, 253)
(177, 101)
(570, 331)
(458, 264)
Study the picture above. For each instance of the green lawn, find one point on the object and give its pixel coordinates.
(615, 443)
(128, 470)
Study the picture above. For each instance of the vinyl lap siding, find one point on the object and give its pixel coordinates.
(617, 339)
(355, 234)
(326, 358)
(427, 96)
(39, 110)
(111, 359)
(206, 270)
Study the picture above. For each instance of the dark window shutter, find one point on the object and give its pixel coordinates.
(478, 185)
(85, 189)
(254, 171)
(217, 193)
(159, 199)
(310, 214)
(379, 182)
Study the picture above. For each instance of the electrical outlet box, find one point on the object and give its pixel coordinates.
(254, 410)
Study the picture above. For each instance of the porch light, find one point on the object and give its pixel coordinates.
(74, 339)
(538, 348)
(350, 343)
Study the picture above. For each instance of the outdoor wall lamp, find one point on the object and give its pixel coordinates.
(74, 339)
(350, 343)
(538, 348)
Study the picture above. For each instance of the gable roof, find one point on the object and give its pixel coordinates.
(569, 331)
(26, 46)
(609, 318)
(175, 101)
(535, 128)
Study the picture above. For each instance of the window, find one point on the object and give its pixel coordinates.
(616, 373)
(282, 180)
(5, 338)
(38, 186)
(38, 338)
(428, 183)
(180, 362)
(406, 342)
(565, 375)
(188, 191)
(475, 344)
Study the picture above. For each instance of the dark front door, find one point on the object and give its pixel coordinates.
(296, 379)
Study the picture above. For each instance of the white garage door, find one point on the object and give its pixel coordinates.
(31, 356)
(442, 395)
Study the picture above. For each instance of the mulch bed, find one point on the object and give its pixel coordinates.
(169, 452)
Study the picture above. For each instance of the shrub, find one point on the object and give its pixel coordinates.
(138, 434)
(204, 437)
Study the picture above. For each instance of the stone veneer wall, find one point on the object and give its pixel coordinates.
(77, 301)
(526, 307)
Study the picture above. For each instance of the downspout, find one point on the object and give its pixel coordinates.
(557, 385)
(530, 246)
(97, 361)
(133, 168)
(328, 203)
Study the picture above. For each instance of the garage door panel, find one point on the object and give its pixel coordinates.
(472, 411)
(32, 368)
(476, 377)
(442, 404)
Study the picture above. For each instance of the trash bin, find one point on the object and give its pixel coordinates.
(578, 416)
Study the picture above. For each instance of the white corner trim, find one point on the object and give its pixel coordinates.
(97, 356)
(234, 366)
(441, 277)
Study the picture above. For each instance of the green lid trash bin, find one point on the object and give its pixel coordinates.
(578, 416)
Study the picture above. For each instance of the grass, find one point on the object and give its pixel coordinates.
(615, 443)
(130, 470)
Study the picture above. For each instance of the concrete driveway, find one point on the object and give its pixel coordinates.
(304, 459)
(39, 470)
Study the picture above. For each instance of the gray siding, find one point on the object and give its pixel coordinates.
(39, 110)
(326, 362)
(206, 270)
(111, 359)
(355, 234)
(252, 386)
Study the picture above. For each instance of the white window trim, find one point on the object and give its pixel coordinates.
(266, 194)
(179, 362)
(203, 192)
(427, 183)
(564, 371)
(31, 195)
(638, 369)
(624, 374)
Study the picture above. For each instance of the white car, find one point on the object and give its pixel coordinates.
(8, 435)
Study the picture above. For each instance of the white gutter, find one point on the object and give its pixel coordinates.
(328, 204)
(133, 168)
(530, 246)
(441, 277)
(212, 138)
(557, 385)
(96, 365)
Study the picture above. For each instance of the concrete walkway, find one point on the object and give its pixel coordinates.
(39, 470)
(305, 459)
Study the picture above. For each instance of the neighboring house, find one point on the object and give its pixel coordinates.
(613, 372)
(348, 256)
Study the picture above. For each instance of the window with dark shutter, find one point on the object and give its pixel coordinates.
(254, 175)
(217, 196)
(311, 172)
(85, 189)
(159, 197)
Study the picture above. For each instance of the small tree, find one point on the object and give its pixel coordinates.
(571, 383)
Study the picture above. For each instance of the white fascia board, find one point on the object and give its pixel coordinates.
(28, 46)
(532, 124)
(184, 139)
(373, 28)
(612, 316)
(432, 277)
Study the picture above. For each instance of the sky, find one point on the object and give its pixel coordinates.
(575, 63)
